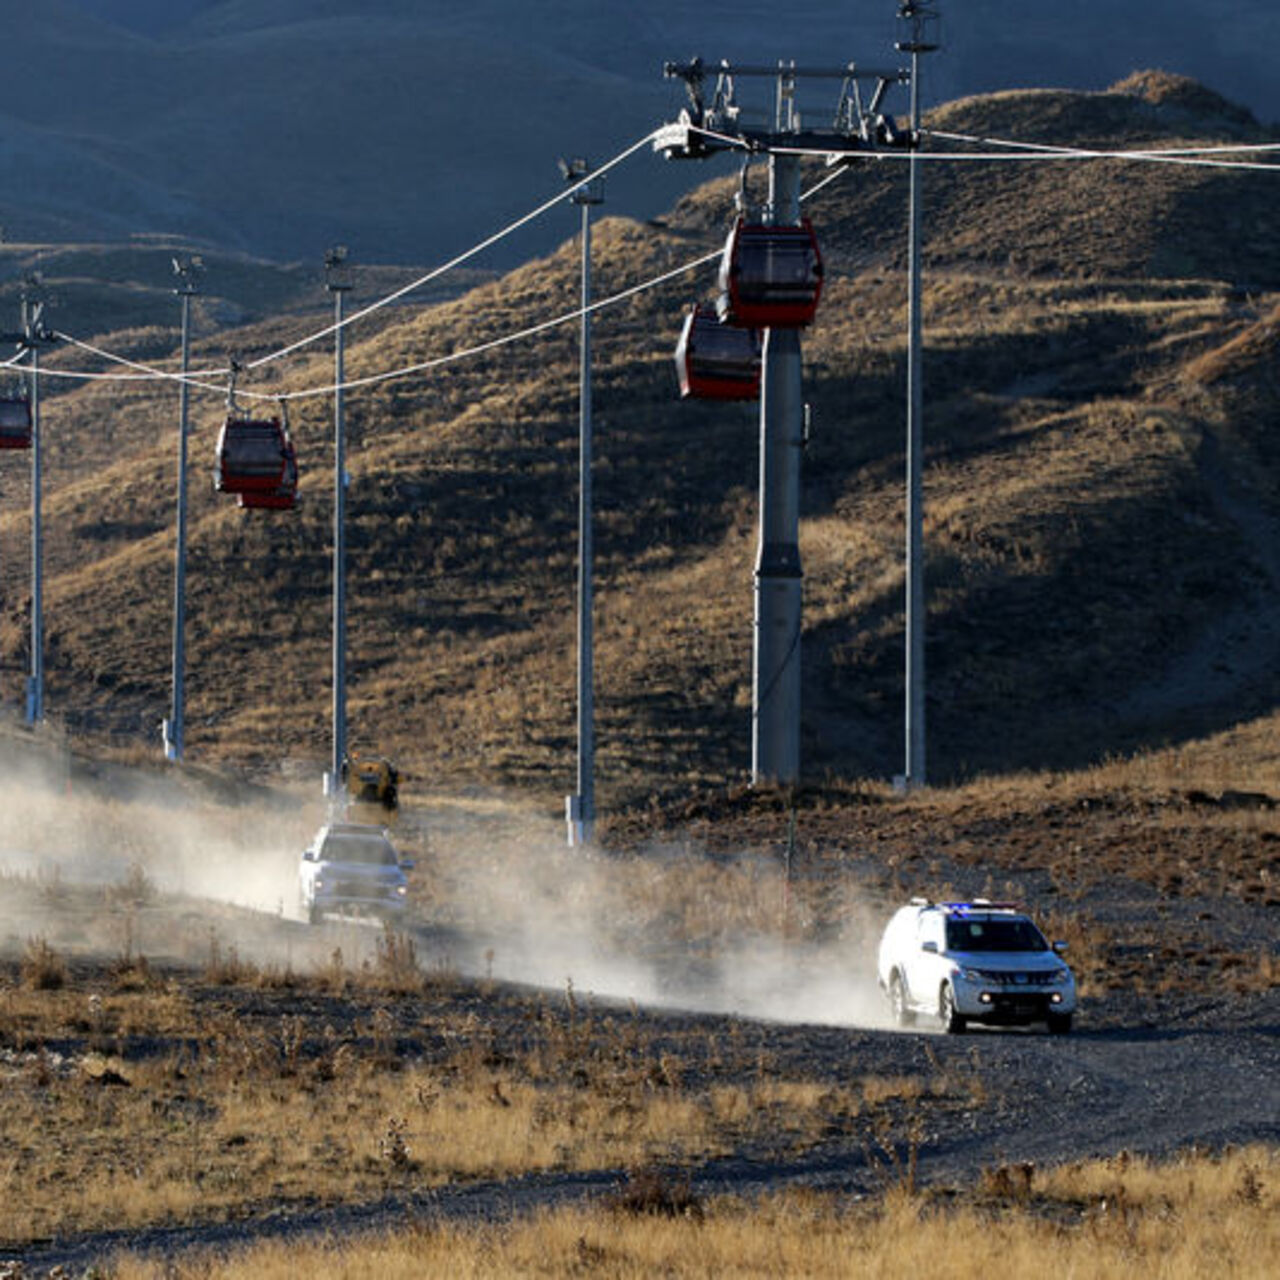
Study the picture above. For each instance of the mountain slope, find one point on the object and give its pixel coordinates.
(1100, 480)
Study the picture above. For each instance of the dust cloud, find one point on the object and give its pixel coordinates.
(242, 855)
(85, 859)
(668, 925)
(498, 895)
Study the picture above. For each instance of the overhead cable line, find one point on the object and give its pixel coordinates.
(151, 373)
(1014, 151)
(1041, 157)
(148, 373)
(457, 261)
(834, 176)
(1191, 157)
(1048, 156)
(1025, 151)
(1234, 148)
(453, 357)
(531, 331)
(197, 378)
(200, 380)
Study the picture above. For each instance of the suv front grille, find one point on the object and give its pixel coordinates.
(362, 889)
(1015, 978)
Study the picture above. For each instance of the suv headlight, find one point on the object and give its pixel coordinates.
(1059, 978)
(971, 975)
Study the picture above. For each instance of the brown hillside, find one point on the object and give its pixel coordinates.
(1098, 578)
(1244, 358)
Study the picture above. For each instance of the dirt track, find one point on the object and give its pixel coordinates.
(1171, 911)
(1208, 1077)
(1147, 1073)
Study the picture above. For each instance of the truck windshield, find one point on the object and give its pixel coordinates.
(370, 850)
(1014, 934)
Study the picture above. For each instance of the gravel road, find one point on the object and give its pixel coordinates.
(1155, 1077)
(1173, 1049)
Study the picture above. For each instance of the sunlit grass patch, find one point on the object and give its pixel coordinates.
(1183, 1218)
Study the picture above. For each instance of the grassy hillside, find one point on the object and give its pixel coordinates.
(1102, 497)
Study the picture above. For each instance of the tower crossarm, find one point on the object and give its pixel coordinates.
(704, 128)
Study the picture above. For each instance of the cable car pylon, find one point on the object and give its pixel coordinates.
(21, 430)
(172, 730)
(771, 279)
(921, 39)
(338, 282)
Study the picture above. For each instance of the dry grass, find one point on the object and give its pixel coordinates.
(253, 1120)
(43, 969)
(171, 1100)
(1197, 819)
(1126, 1218)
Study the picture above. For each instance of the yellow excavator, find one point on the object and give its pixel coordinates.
(373, 782)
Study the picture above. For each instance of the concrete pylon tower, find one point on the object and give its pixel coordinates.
(775, 737)
(713, 122)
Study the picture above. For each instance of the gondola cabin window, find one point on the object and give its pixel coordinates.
(770, 276)
(15, 422)
(252, 456)
(717, 361)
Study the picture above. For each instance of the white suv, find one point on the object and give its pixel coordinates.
(974, 961)
(350, 867)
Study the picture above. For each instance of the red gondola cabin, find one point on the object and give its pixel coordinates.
(285, 498)
(717, 361)
(253, 456)
(15, 422)
(770, 277)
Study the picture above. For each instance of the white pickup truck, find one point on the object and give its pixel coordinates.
(352, 869)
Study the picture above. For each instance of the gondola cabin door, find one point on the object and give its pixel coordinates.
(284, 498)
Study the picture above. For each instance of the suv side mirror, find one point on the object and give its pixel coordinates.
(308, 855)
(407, 864)
(931, 947)
(1059, 948)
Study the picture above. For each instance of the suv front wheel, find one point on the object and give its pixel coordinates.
(953, 1023)
(902, 1014)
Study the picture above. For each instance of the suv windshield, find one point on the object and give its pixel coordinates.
(1003, 934)
(371, 850)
